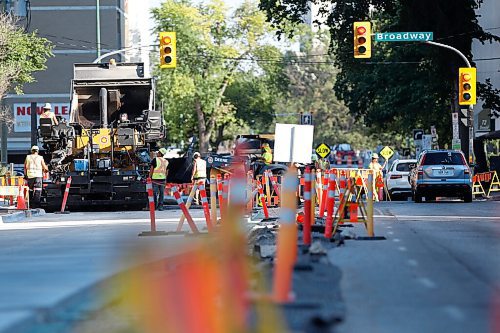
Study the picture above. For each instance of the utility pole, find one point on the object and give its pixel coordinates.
(98, 27)
(467, 139)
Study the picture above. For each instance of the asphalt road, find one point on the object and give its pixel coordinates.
(438, 270)
(50, 258)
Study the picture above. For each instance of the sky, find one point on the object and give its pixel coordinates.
(142, 21)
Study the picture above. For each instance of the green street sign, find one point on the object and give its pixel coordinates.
(403, 36)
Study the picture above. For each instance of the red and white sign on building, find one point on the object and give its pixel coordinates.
(22, 114)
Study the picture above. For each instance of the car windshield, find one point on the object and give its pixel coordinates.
(403, 167)
(443, 158)
(344, 147)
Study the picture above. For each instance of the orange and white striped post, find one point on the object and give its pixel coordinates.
(262, 199)
(307, 207)
(286, 245)
(213, 199)
(221, 198)
(204, 203)
(329, 205)
(324, 194)
(65, 196)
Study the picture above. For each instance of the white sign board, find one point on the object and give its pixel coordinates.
(426, 142)
(454, 122)
(22, 114)
(293, 143)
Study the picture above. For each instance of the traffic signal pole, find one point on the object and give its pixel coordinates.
(469, 151)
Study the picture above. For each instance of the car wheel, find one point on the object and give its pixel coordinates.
(468, 196)
(417, 197)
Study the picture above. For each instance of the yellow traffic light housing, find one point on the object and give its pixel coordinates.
(168, 50)
(467, 86)
(362, 39)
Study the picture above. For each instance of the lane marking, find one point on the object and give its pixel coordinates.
(427, 283)
(454, 312)
(390, 232)
(402, 248)
(412, 262)
(396, 240)
(36, 224)
(448, 217)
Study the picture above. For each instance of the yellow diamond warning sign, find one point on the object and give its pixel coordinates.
(386, 152)
(322, 150)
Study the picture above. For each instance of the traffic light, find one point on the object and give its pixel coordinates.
(168, 50)
(467, 86)
(362, 40)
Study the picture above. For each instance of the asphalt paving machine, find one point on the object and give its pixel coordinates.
(106, 146)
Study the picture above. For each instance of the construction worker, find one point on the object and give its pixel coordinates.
(322, 164)
(377, 171)
(267, 158)
(375, 165)
(49, 114)
(158, 174)
(34, 167)
(199, 174)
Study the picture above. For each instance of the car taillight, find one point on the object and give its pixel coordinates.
(396, 176)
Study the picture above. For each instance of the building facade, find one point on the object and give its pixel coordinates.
(487, 61)
(71, 25)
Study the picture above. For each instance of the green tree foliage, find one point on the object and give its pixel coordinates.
(311, 76)
(21, 54)
(210, 47)
(404, 85)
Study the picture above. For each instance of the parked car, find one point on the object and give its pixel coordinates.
(441, 173)
(396, 179)
(341, 152)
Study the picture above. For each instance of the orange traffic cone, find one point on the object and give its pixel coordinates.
(21, 202)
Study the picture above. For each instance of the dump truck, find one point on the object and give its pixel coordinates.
(107, 145)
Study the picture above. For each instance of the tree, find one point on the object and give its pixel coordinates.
(21, 54)
(403, 85)
(210, 47)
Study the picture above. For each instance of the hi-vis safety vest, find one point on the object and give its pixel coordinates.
(268, 157)
(200, 169)
(160, 171)
(34, 166)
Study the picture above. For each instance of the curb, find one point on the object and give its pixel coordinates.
(20, 216)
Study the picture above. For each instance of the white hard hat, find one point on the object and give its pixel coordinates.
(47, 106)
(196, 154)
(35, 148)
(374, 155)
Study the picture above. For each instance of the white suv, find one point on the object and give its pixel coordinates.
(396, 179)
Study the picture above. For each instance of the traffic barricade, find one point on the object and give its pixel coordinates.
(189, 201)
(477, 187)
(152, 213)
(185, 211)
(494, 184)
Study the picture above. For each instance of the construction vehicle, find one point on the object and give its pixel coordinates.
(107, 145)
(248, 148)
